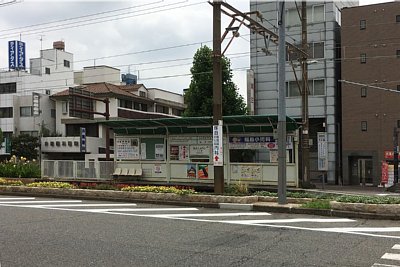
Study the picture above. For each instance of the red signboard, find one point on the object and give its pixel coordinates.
(385, 173)
(389, 154)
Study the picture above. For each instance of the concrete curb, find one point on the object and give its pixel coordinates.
(268, 204)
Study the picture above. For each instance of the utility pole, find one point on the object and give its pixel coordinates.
(305, 144)
(281, 106)
(217, 88)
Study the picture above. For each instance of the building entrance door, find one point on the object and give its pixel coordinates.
(365, 167)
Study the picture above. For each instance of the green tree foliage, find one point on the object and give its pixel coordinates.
(199, 96)
(25, 146)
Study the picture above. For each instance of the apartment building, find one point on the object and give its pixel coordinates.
(323, 35)
(370, 114)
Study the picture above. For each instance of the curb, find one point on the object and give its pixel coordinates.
(248, 203)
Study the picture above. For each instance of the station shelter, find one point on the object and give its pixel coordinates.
(180, 150)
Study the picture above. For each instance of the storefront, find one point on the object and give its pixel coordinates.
(180, 150)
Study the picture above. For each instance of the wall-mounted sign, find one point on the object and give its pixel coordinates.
(83, 140)
(127, 148)
(322, 151)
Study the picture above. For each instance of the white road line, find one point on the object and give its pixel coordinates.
(289, 221)
(213, 214)
(82, 205)
(40, 201)
(384, 265)
(16, 198)
(396, 246)
(360, 229)
(136, 210)
(391, 256)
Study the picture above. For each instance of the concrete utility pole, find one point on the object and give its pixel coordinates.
(305, 137)
(217, 88)
(281, 106)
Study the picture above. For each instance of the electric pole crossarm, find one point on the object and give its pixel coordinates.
(256, 26)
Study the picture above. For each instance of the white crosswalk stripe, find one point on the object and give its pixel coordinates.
(40, 201)
(16, 198)
(296, 220)
(390, 257)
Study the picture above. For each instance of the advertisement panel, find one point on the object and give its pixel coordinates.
(16, 55)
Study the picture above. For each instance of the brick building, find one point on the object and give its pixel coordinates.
(370, 56)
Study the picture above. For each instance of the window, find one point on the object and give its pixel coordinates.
(53, 113)
(315, 50)
(47, 70)
(315, 13)
(8, 88)
(363, 24)
(318, 13)
(398, 53)
(125, 103)
(162, 109)
(136, 106)
(25, 111)
(316, 87)
(397, 18)
(66, 63)
(144, 107)
(48, 91)
(176, 112)
(398, 123)
(64, 107)
(142, 94)
(31, 133)
(398, 87)
(363, 58)
(364, 126)
(363, 91)
(6, 112)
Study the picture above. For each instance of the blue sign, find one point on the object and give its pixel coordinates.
(16, 55)
(83, 140)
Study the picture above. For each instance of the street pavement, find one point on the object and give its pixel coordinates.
(71, 232)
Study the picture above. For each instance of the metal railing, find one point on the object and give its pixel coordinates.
(77, 170)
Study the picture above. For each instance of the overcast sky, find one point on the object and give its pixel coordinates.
(128, 35)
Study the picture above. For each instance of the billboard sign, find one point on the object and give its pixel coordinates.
(83, 140)
(16, 55)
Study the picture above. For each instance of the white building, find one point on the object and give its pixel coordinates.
(323, 27)
(25, 106)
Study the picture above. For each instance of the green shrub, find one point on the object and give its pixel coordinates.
(51, 185)
(265, 194)
(369, 199)
(159, 189)
(19, 168)
(105, 187)
(11, 182)
(237, 189)
(317, 204)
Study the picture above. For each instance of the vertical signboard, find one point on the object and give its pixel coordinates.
(250, 91)
(83, 140)
(16, 55)
(36, 104)
(217, 145)
(322, 151)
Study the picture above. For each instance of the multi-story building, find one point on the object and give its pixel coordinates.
(25, 106)
(323, 35)
(370, 60)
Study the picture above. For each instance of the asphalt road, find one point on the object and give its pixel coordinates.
(66, 232)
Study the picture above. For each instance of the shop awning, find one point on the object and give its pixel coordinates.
(186, 125)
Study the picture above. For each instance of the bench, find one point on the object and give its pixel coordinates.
(125, 173)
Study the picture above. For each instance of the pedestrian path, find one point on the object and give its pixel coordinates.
(390, 259)
(250, 218)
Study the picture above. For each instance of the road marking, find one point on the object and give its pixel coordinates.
(81, 205)
(396, 246)
(296, 220)
(16, 198)
(40, 201)
(139, 210)
(391, 256)
(384, 265)
(361, 229)
(212, 214)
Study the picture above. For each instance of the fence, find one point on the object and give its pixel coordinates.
(77, 170)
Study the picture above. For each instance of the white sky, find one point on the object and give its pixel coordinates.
(126, 43)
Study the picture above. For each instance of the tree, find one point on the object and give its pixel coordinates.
(25, 146)
(199, 96)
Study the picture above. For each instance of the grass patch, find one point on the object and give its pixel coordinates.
(322, 204)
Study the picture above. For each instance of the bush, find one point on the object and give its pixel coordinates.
(158, 189)
(11, 182)
(52, 185)
(237, 189)
(19, 168)
(369, 199)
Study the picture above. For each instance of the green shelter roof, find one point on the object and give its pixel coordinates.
(186, 125)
